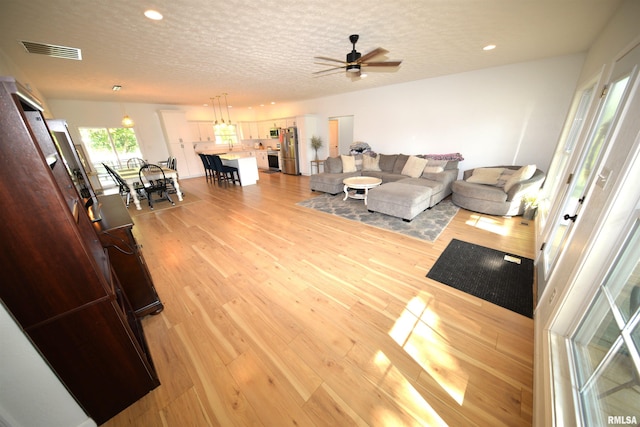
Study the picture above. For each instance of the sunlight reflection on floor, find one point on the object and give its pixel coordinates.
(430, 349)
(488, 224)
(407, 396)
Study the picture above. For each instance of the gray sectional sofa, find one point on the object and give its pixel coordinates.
(409, 186)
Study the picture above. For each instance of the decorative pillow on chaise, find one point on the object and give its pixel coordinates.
(488, 176)
(522, 174)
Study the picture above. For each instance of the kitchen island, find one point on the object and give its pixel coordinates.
(246, 164)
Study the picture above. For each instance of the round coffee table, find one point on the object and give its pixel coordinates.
(360, 186)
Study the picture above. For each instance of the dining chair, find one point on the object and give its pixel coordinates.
(154, 181)
(135, 162)
(172, 163)
(123, 188)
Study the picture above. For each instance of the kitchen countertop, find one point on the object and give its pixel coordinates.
(237, 155)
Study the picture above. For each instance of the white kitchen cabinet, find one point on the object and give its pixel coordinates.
(261, 158)
(263, 129)
(202, 131)
(195, 131)
(180, 141)
(207, 133)
(249, 130)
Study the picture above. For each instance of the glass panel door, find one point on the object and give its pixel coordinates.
(564, 151)
(583, 173)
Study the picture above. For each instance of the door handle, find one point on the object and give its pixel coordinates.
(572, 218)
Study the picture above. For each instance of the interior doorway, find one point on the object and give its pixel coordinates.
(334, 131)
(340, 135)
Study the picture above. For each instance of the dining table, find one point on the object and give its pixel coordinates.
(131, 176)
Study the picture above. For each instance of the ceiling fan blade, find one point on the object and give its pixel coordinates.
(330, 65)
(328, 74)
(329, 69)
(382, 64)
(324, 58)
(376, 52)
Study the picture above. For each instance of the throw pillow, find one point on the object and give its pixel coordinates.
(348, 164)
(333, 165)
(504, 177)
(358, 160)
(488, 176)
(400, 162)
(387, 161)
(522, 174)
(414, 167)
(370, 163)
(435, 166)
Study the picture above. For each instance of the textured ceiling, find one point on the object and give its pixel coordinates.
(263, 51)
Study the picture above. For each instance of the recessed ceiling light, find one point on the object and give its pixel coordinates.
(153, 14)
(489, 47)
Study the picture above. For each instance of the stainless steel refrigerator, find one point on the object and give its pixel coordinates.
(289, 147)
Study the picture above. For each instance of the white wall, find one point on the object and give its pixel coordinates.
(503, 115)
(109, 114)
(511, 114)
(30, 393)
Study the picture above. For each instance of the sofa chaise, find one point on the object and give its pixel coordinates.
(497, 190)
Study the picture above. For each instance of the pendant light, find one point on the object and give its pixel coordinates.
(227, 104)
(127, 122)
(221, 115)
(213, 104)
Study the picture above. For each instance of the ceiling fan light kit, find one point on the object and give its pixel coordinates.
(355, 60)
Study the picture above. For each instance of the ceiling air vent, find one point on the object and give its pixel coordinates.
(52, 50)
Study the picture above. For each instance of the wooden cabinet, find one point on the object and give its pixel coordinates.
(57, 279)
(116, 235)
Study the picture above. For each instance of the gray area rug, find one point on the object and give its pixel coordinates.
(426, 226)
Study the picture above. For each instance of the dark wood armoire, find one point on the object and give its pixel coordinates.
(58, 280)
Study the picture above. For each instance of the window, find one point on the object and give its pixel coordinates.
(113, 146)
(226, 135)
(605, 345)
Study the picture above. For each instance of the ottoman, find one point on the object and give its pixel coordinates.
(400, 200)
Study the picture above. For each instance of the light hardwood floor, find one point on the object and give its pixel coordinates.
(279, 315)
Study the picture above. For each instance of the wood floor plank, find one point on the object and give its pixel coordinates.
(277, 314)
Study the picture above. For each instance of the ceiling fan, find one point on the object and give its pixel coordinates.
(355, 61)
